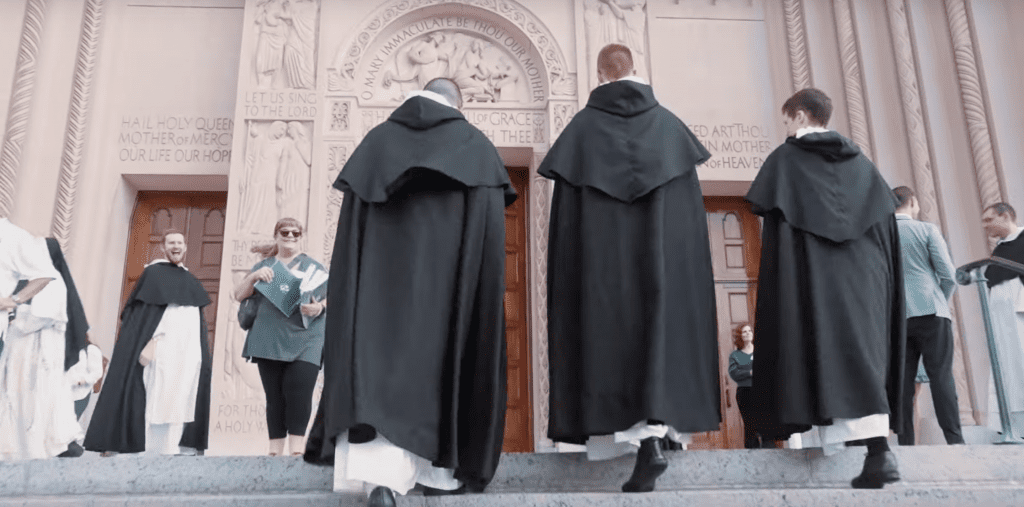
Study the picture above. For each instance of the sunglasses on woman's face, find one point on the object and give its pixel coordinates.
(290, 234)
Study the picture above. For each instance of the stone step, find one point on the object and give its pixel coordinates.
(932, 475)
(895, 495)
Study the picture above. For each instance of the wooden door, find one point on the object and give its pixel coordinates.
(735, 235)
(200, 217)
(518, 419)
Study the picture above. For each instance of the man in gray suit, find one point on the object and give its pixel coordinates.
(928, 280)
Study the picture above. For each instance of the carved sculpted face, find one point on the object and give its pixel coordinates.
(174, 248)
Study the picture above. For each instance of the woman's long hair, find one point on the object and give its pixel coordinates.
(270, 249)
(737, 334)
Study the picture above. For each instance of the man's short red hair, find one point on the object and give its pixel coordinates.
(615, 61)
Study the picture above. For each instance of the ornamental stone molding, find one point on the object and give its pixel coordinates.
(974, 103)
(74, 139)
(796, 36)
(21, 102)
(488, 44)
(849, 53)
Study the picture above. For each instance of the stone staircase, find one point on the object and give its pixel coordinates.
(984, 475)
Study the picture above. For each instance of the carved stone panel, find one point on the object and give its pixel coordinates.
(713, 92)
(339, 117)
(615, 22)
(337, 155)
(286, 41)
(274, 183)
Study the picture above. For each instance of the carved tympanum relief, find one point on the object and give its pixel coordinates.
(275, 180)
(285, 55)
(484, 72)
(615, 21)
(397, 24)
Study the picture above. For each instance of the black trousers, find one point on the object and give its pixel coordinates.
(931, 338)
(289, 389)
(751, 438)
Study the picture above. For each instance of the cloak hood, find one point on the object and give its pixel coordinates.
(822, 184)
(624, 144)
(163, 283)
(832, 146)
(623, 98)
(422, 136)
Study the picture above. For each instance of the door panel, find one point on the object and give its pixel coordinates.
(518, 419)
(735, 235)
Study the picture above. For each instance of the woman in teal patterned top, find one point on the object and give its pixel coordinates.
(287, 349)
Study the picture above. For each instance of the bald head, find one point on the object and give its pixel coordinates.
(446, 88)
(614, 62)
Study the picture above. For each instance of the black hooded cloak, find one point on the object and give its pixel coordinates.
(414, 346)
(829, 327)
(119, 420)
(632, 329)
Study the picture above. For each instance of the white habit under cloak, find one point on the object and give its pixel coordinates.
(1006, 307)
(37, 416)
(172, 377)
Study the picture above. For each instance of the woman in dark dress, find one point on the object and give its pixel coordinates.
(741, 370)
(287, 348)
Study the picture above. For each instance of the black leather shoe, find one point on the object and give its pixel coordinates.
(382, 496)
(429, 491)
(878, 471)
(74, 451)
(650, 463)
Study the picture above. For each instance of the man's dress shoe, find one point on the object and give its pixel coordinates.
(650, 463)
(74, 451)
(382, 496)
(879, 470)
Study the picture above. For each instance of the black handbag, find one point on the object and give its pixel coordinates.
(247, 311)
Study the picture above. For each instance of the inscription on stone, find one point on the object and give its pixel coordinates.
(509, 126)
(241, 257)
(175, 139)
(734, 146)
(240, 418)
(280, 105)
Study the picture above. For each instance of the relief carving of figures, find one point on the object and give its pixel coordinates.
(265, 159)
(286, 44)
(293, 179)
(615, 21)
(482, 70)
(241, 378)
(300, 49)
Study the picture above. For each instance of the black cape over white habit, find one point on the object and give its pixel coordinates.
(415, 334)
(632, 329)
(75, 335)
(119, 420)
(829, 326)
(1010, 250)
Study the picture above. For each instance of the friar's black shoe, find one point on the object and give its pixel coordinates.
(382, 496)
(429, 491)
(650, 464)
(879, 470)
(74, 451)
